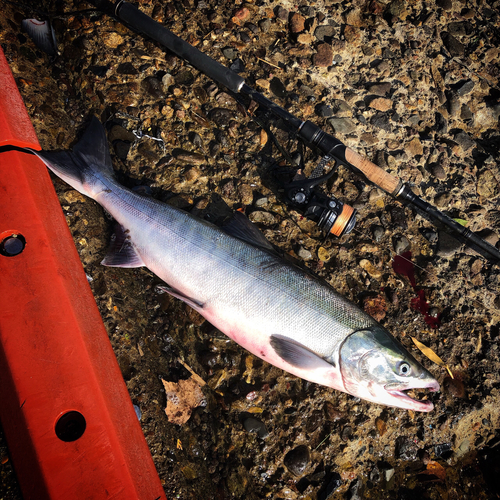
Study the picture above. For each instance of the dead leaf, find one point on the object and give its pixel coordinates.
(182, 398)
(179, 444)
(427, 351)
(263, 138)
(435, 469)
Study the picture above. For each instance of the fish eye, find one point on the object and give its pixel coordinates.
(404, 369)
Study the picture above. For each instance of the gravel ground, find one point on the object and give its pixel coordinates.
(414, 86)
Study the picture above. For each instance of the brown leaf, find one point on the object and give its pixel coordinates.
(182, 397)
(428, 352)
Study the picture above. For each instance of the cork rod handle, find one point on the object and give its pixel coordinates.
(389, 183)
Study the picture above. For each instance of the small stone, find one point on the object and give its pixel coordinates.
(464, 140)
(401, 244)
(381, 426)
(118, 133)
(245, 193)
(324, 56)
(241, 15)
(443, 450)
(487, 185)
(260, 202)
(297, 460)
(254, 425)
(447, 245)
(455, 387)
(455, 48)
(381, 104)
(342, 125)
(230, 53)
(153, 87)
(381, 120)
(370, 268)
(466, 88)
(324, 110)
(72, 196)
(112, 39)
(167, 81)
(445, 4)
(126, 68)
(262, 217)
(487, 117)
(322, 32)
(221, 116)
(380, 89)
(465, 113)
(281, 13)
(188, 157)
(265, 84)
(378, 233)
(346, 433)
(440, 124)
(453, 104)
(297, 23)
(354, 18)
(398, 9)
(265, 25)
(305, 39)
(415, 147)
(405, 449)
(304, 254)
(438, 171)
(192, 174)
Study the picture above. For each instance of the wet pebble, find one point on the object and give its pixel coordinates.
(324, 55)
(315, 420)
(342, 125)
(346, 433)
(138, 412)
(230, 53)
(378, 233)
(153, 87)
(245, 193)
(455, 48)
(443, 450)
(447, 244)
(405, 448)
(440, 124)
(380, 89)
(324, 110)
(126, 68)
(401, 244)
(466, 88)
(332, 413)
(256, 426)
(221, 116)
(304, 254)
(322, 32)
(297, 460)
(188, 157)
(464, 140)
(297, 23)
(455, 387)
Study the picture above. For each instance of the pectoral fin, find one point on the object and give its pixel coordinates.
(297, 354)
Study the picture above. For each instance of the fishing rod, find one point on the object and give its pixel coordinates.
(328, 217)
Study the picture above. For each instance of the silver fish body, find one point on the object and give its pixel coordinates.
(277, 311)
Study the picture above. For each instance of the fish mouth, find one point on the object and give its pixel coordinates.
(405, 401)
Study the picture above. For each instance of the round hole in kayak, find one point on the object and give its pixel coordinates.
(70, 426)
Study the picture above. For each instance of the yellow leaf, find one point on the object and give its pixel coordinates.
(429, 352)
(179, 444)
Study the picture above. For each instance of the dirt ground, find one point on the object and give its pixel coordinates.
(414, 86)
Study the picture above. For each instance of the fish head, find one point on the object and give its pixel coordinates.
(376, 367)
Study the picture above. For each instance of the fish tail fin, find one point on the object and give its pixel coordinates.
(85, 167)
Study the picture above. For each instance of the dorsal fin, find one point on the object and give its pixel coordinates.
(241, 227)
